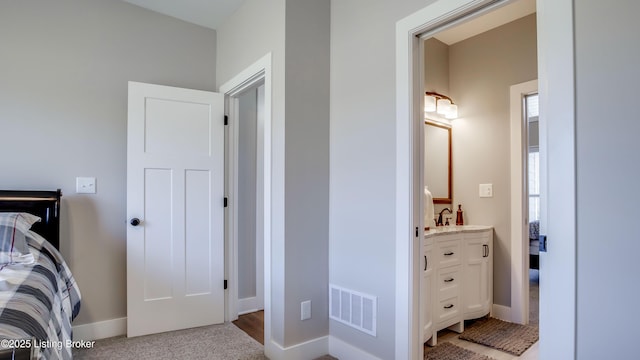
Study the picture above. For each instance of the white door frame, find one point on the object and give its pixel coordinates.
(556, 75)
(519, 209)
(258, 72)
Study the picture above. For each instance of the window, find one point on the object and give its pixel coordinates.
(534, 185)
(533, 162)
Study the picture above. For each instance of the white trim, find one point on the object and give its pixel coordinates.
(342, 350)
(306, 350)
(409, 119)
(249, 305)
(259, 71)
(100, 330)
(556, 73)
(519, 211)
(501, 312)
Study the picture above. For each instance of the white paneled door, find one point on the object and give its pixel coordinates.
(175, 194)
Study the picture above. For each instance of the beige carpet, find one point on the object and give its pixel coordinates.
(216, 342)
(512, 338)
(449, 351)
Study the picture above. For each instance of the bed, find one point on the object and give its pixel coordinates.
(39, 297)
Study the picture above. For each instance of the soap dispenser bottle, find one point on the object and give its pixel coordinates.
(459, 220)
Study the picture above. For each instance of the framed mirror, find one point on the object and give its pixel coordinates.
(437, 161)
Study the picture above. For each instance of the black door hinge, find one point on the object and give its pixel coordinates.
(226, 120)
(416, 231)
(225, 284)
(226, 202)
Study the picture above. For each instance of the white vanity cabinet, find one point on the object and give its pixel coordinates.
(426, 293)
(478, 274)
(457, 281)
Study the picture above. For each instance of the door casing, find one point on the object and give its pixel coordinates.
(519, 203)
(257, 73)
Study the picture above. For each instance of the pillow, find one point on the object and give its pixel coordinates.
(13, 244)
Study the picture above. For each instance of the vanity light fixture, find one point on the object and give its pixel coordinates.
(441, 104)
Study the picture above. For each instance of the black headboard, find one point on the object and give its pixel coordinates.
(44, 204)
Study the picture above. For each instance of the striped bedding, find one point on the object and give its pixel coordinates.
(38, 301)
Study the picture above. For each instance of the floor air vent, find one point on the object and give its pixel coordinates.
(353, 308)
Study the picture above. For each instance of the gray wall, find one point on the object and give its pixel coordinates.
(247, 137)
(300, 150)
(362, 169)
(607, 58)
(63, 94)
(481, 71)
(307, 168)
(259, 25)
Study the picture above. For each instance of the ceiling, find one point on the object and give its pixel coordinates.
(213, 13)
(493, 19)
(207, 13)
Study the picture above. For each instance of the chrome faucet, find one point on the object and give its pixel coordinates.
(439, 222)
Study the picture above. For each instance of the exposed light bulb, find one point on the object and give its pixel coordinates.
(453, 112)
(443, 106)
(429, 103)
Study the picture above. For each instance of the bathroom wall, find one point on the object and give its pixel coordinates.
(481, 71)
(436, 66)
(436, 79)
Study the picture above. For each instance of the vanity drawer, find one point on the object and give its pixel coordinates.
(449, 252)
(448, 309)
(449, 282)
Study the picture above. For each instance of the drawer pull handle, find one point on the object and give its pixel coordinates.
(425, 263)
(448, 306)
(449, 253)
(449, 280)
(485, 250)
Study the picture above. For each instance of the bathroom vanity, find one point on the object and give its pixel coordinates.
(457, 277)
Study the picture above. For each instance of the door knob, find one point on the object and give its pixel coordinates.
(135, 222)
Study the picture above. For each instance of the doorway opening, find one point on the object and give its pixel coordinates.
(533, 204)
(467, 63)
(557, 164)
(248, 187)
(250, 108)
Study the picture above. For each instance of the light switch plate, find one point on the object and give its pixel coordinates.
(85, 185)
(305, 310)
(486, 190)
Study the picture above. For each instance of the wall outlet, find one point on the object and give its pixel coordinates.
(486, 190)
(85, 185)
(305, 310)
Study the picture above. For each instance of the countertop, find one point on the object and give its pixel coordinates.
(455, 229)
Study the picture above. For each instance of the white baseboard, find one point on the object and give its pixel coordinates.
(343, 350)
(249, 305)
(501, 312)
(311, 349)
(100, 330)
